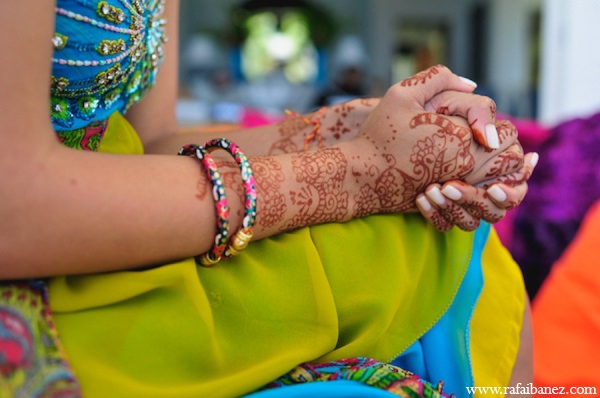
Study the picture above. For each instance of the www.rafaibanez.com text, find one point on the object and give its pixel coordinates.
(530, 389)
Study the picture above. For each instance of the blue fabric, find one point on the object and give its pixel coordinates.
(102, 64)
(447, 342)
(329, 389)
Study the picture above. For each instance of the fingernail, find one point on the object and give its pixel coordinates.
(468, 81)
(497, 193)
(424, 203)
(535, 158)
(435, 195)
(491, 134)
(451, 193)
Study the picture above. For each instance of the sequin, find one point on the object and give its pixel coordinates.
(59, 112)
(60, 83)
(110, 13)
(59, 41)
(86, 107)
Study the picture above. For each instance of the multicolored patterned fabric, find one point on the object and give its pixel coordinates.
(32, 361)
(86, 138)
(370, 372)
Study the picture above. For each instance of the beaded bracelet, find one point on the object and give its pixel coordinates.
(242, 237)
(213, 256)
(316, 129)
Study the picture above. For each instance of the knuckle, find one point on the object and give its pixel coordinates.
(487, 102)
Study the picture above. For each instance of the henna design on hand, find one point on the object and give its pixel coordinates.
(394, 190)
(272, 205)
(506, 130)
(440, 223)
(421, 77)
(430, 155)
(336, 121)
(289, 129)
(456, 215)
(504, 163)
(443, 110)
(322, 198)
(339, 127)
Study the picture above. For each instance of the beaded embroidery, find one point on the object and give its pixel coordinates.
(106, 55)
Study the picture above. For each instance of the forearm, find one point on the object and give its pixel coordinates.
(336, 124)
(80, 212)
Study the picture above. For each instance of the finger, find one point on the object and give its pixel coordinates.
(451, 211)
(518, 177)
(501, 164)
(431, 214)
(479, 111)
(506, 196)
(510, 190)
(475, 201)
(507, 132)
(426, 84)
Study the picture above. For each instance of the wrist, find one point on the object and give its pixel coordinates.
(342, 122)
(364, 170)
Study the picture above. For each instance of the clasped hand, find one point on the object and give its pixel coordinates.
(430, 130)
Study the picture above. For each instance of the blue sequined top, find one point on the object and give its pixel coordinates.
(106, 55)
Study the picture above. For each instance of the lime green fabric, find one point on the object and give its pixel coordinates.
(120, 137)
(369, 287)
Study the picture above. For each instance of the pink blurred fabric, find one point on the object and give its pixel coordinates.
(255, 118)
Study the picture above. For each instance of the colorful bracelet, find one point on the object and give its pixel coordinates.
(213, 256)
(316, 129)
(242, 237)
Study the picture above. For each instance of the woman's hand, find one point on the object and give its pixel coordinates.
(406, 147)
(464, 205)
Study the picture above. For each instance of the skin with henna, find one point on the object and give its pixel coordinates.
(342, 122)
(339, 183)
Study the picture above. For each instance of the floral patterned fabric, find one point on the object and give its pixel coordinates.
(387, 377)
(32, 362)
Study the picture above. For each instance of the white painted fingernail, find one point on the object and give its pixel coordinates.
(451, 192)
(535, 158)
(468, 81)
(435, 195)
(491, 134)
(424, 203)
(497, 193)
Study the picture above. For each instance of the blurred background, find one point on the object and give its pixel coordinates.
(299, 54)
(245, 62)
(534, 57)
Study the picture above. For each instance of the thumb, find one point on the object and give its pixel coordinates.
(426, 84)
